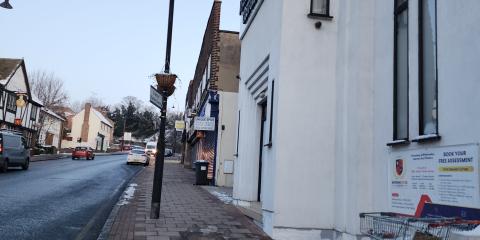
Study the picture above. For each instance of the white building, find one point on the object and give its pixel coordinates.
(19, 109)
(51, 128)
(90, 128)
(325, 116)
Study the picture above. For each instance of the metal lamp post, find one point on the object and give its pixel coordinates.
(165, 87)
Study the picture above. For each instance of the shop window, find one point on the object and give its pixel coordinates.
(428, 100)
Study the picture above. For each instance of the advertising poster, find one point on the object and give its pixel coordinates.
(446, 175)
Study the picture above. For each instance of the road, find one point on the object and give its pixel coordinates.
(61, 199)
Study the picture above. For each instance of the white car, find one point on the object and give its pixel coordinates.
(137, 156)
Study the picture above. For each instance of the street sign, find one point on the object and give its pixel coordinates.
(127, 136)
(204, 123)
(155, 97)
(179, 125)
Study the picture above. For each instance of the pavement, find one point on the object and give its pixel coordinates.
(62, 199)
(187, 211)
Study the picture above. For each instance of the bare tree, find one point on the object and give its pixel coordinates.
(48, 88)
(51, 92)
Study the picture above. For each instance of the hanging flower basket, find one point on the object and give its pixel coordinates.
(165, 80)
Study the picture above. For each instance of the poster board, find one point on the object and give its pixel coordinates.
(447, 175)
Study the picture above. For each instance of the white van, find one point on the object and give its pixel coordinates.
(151, 148)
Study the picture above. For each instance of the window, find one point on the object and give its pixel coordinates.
(33, 115)
(11, 102)
(246, 9)
(428, 67)
(320, 8)
(400, 93)
(269, 144)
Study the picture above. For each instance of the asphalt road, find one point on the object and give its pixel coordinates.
(61, 199)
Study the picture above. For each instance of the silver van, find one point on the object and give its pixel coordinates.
(14, 151)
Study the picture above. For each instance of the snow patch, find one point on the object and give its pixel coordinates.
(128, 194)
(225, 198)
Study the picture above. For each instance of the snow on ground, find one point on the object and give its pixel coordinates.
(128, 194)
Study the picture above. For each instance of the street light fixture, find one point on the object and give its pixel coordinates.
(6, 5)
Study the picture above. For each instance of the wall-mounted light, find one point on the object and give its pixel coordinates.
(6, 5)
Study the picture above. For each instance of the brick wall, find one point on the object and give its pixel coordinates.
(210, 46)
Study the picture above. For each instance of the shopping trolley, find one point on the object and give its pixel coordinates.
(387, 225)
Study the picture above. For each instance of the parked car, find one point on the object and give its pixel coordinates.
(83, 152)
(168, 152)
(138, 156)
(151, 148)
(14, 151)
(127, 147)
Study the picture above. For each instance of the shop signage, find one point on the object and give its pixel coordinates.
(179, 125)
(204, 124)
(155, 97)
(445, 175)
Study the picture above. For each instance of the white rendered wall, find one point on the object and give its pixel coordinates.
(226, 138)
(305, 156)
(354, 113)
(261, 41)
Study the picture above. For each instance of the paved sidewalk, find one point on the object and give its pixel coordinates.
(187, 212)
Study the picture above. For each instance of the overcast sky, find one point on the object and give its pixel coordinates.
(109, 48)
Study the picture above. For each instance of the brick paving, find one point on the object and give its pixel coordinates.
(187, 212)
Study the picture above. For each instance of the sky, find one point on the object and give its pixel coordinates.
(109, 48)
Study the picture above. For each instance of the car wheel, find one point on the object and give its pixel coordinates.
(27, 164)
(73, 158)
(4, 167)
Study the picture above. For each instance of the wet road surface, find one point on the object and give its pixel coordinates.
(61, 199)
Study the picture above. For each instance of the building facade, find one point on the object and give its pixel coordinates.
(90, 128)
(19, 108)
(51, 128)
(344, 105)
(213, 94)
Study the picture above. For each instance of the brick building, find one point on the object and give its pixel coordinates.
(213, 94)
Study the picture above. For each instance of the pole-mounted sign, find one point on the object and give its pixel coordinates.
(155, 97)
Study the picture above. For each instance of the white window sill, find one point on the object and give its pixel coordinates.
(398, 142)
(427, 138)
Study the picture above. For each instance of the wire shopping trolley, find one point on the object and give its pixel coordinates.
(387, 225)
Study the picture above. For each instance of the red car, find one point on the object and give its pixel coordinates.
(83, 152)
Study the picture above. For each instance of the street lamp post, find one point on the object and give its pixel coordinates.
(165, 87)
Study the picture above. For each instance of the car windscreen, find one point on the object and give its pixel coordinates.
(80, 149)
(138, 151)
(151, 146)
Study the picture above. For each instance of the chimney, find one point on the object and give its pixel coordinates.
(85, 126)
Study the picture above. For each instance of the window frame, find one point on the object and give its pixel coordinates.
(399, 9)
(12, 96)
(33, 113)
(434, 136)
(320, 15)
